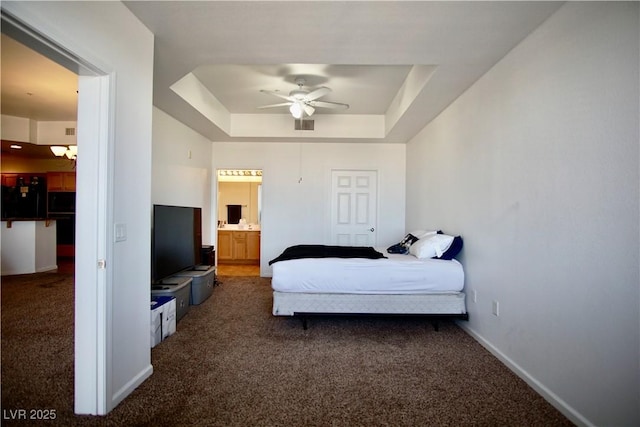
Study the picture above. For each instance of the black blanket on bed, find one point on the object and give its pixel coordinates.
(323, 251)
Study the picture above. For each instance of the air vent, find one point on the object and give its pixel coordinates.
(70, 131)
(303, 124)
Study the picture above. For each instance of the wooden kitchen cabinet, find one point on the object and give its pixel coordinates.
(238, 247)
(61, 181)
(9, 179)
(26, 178)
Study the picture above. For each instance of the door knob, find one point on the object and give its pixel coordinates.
(372, 229)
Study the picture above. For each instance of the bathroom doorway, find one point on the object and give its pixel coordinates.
(239, 226)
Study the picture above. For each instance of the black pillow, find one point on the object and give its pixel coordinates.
(454, 249)
(403, 246)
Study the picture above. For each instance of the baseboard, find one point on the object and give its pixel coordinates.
(47, 268)
(6, 272)
(10, 272)
(128, 388)
(562, 406)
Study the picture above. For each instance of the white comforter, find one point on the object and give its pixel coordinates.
(397, 274)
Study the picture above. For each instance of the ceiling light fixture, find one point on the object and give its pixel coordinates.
(296, 110)
(70, 152)
(301, 102)
(238, 172)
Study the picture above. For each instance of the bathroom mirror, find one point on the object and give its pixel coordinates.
(240, 196)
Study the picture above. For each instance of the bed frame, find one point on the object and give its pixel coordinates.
(434, 306)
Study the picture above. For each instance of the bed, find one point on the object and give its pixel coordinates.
(319, 281)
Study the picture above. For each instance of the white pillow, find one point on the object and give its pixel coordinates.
(422, 234)
(432, 246)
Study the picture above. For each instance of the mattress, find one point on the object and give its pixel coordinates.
(396, 274)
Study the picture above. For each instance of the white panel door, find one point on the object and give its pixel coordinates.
(354, 203)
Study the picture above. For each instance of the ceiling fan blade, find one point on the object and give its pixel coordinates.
(278, 94)
(318, 93)
(309, 109)
(325, 104)
(283, 104)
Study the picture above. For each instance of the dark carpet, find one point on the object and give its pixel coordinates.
(231, 363)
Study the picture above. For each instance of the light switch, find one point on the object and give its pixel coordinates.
(121, 232)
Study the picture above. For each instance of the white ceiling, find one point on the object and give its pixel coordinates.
(369, 89)
(34, 86)
(397, 64)
(37, 88)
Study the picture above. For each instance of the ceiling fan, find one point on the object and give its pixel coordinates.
(301, 101)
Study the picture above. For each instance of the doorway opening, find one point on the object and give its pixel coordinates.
(92, 331)
(239, 222)
(38, 184)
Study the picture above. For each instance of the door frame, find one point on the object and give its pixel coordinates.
(216, 206)
(94, 204)
(93, 331)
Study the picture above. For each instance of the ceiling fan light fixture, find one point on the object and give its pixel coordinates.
(296, 110)
(301, 102)
(72, 152)
(58, 150)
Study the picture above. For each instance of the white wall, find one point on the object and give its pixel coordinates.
(54, 133)
(296, 212)
(181, 168)
(45, 246)
(27, 247)
(109, 37)
(21, 129)
(537, 167)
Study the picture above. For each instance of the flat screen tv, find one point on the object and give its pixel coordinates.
(173, 240)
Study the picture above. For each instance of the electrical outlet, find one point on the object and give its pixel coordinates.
(475, 295)
(496, 308)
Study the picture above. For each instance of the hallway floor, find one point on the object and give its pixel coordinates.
(237, 270)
